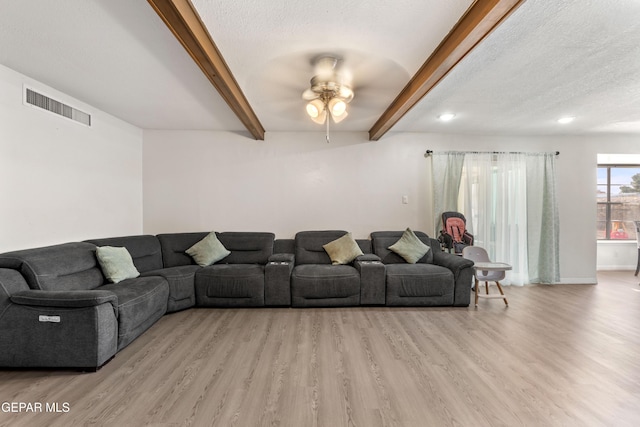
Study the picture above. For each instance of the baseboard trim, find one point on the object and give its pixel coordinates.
(616, 267)
(578, 281)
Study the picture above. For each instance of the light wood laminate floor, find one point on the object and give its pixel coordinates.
(564, 355)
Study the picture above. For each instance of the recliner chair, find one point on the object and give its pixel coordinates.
(437, 279)
(315, 282)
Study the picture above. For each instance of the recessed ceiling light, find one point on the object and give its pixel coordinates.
(565, 120)
(446, 117)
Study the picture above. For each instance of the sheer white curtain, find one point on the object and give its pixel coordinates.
(495, 194)
(510, 204)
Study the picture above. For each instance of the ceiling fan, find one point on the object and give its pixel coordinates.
(330, 92)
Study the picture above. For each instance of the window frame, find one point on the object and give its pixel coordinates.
(608, 203)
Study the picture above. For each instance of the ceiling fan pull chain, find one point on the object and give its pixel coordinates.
(328, 120)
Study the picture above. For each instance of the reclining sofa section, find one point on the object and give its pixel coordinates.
(57, 310)
(250, 276)
(57, 316)
(316, 282)
(437, 279)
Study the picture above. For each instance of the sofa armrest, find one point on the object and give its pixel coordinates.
(181, 280)
(455, 263)
(59, 329)
(277, 280)
(462, 270)
(65, 299)
(282, 258)
(368, 257)
(372, 279)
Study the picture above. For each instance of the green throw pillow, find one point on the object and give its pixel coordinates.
(410, 247)
(116, 263)
(208, 250)
(343, 250)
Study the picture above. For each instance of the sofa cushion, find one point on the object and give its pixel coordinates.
(309, 246)
(64, 267)
(208, 250)
(419, 284)
(116, 263)
(409, 247)
(141, 302)
(284, 246)
(343, 250)
(247, 247)
(230, 285)
(381, 240)
(174, 246)
(325, 281)
(145, 250)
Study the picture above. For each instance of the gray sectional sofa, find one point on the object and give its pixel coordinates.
(57, 309)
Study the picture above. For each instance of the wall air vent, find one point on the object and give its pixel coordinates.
(41, 101)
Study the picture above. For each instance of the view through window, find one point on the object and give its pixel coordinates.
(618, 196)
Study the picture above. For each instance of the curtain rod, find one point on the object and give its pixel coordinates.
(430, 152)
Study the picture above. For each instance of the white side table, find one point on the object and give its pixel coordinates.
(486, 267)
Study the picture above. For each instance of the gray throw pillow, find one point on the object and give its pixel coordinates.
(343, 250)
(410, 247)
(208, 250)
(116, 263)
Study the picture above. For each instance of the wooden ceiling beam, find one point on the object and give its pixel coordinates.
(185, 23)
(480, 19)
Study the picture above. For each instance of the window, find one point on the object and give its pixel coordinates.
(618, 195)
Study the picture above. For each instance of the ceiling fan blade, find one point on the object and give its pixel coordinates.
(308, 95)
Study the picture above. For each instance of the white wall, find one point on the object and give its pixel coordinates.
(62, 181)
(199, 180)
(617, 255)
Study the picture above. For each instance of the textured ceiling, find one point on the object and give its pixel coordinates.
(550, 58)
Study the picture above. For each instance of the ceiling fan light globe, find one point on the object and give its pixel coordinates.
(312, 111)
(321, 117)
(315, 108)
(338, 119)
(337, 107)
